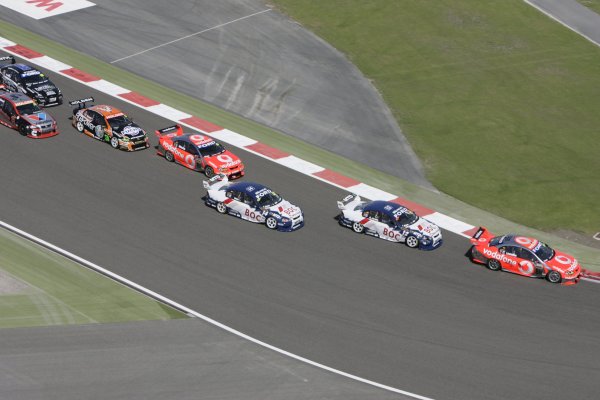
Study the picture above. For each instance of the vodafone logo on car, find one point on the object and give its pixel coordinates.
(39, 9)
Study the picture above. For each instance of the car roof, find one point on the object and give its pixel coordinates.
(247, 187)
(105, 110)
(23, 67)
(186, 137)
(386, 207)
(16, 97)
(517, 240)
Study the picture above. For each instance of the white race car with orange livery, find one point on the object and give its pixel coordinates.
(198, 152)
(523, 256)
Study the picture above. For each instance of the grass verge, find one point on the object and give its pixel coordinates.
(443, 203)
(499, 101)
(40, 288)
(592, 4)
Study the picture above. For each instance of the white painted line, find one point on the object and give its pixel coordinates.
(560, 22)
(168, 112)
(449, 223)
(51, 64)
(232, 137)
(590, 280)
(188, 36)
(6, 43)
(38, 9)
(196, 314)
(298, 164)
(108, 88)
(370, 192)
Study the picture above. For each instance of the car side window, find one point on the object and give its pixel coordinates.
(190, 148)
(229, 194)
(180, 145)
(96, 118)
(8, 108)
(386, 219)
(525, 254)
(374, 215)
(508, 250)
(248, 200)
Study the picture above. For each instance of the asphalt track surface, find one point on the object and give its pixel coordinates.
(264, 67)
(426, 322)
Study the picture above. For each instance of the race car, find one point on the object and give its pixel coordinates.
(389, 221)
(108, 124)
(20, 112)
(30, 81)
(198, 153)
(524, 256)
(253, 202)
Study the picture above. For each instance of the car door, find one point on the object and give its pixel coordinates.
(193, 159)
(389, 230)
(179, 152)
(507, 255)
(10, 80)
(235, 203)
(97, 124)
(251, 210)
(529, 263)
(10, 113)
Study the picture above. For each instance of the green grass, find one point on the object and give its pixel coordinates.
(40, 288)
(592, 4)
(589, 257)
(499, 102)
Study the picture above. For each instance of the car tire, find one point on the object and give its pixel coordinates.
(79, 126)
(221, 208)
(209, 172)
(412, 241)
(493, 264)
(114, 142)
(22, 130)
(554, 277)
(169, 156)
(271, 223)
(358, 227)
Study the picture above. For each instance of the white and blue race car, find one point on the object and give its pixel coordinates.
(389, 221)
(253, 202)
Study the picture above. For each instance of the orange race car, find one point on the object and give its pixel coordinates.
(108, 124)
(198, 152)
(524, 256)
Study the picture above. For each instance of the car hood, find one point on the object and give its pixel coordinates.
(563, 262)
(46, 88)
(225, 159)
(286, 209)
(130, 130)
(425, 227)
(37, 118)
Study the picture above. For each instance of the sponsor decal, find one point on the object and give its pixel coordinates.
(500, 257)
(563, 260)
(38, 9)
(130, 130)
(172, 149)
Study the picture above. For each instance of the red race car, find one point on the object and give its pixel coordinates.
(20, 112)
(524, 256)
(198, 152)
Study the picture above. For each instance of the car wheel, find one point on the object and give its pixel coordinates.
(221, 208)
(271, 223)
(358, 227)
(99, 133)
(114, 142)
(169, 156)
(412, 242)
(79, 126)
(22, 130)
(493, 264)
(209, 172)
(554, 277)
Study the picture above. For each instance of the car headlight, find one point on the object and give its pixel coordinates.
(223, 169)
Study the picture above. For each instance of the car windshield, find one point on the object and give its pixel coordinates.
(406, 218)
(34, 79)
(496, 240)
(28, 108)
(118, 120)
(269, 199)
(211, 150)
(543, 251)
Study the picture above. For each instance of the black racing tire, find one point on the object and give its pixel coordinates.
(22, 130)
(221, 208)
(271, 223)
(169, 156)
(209, 172)
(114, 142)
(79, 126)
(493, 264)
(412, 241)
(554, 277)
(358, 227)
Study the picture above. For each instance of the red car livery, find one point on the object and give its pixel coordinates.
(20, 112)
(524, 256)
(198, 152)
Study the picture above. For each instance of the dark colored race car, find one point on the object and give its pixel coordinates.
(30, 81)
(523, 256)
(108, 124)
(20, 112)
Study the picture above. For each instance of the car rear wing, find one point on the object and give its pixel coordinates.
(482, 235)
(6, 58)
(169, 131)
(81, 103)
(216, 182)
(349, 202)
